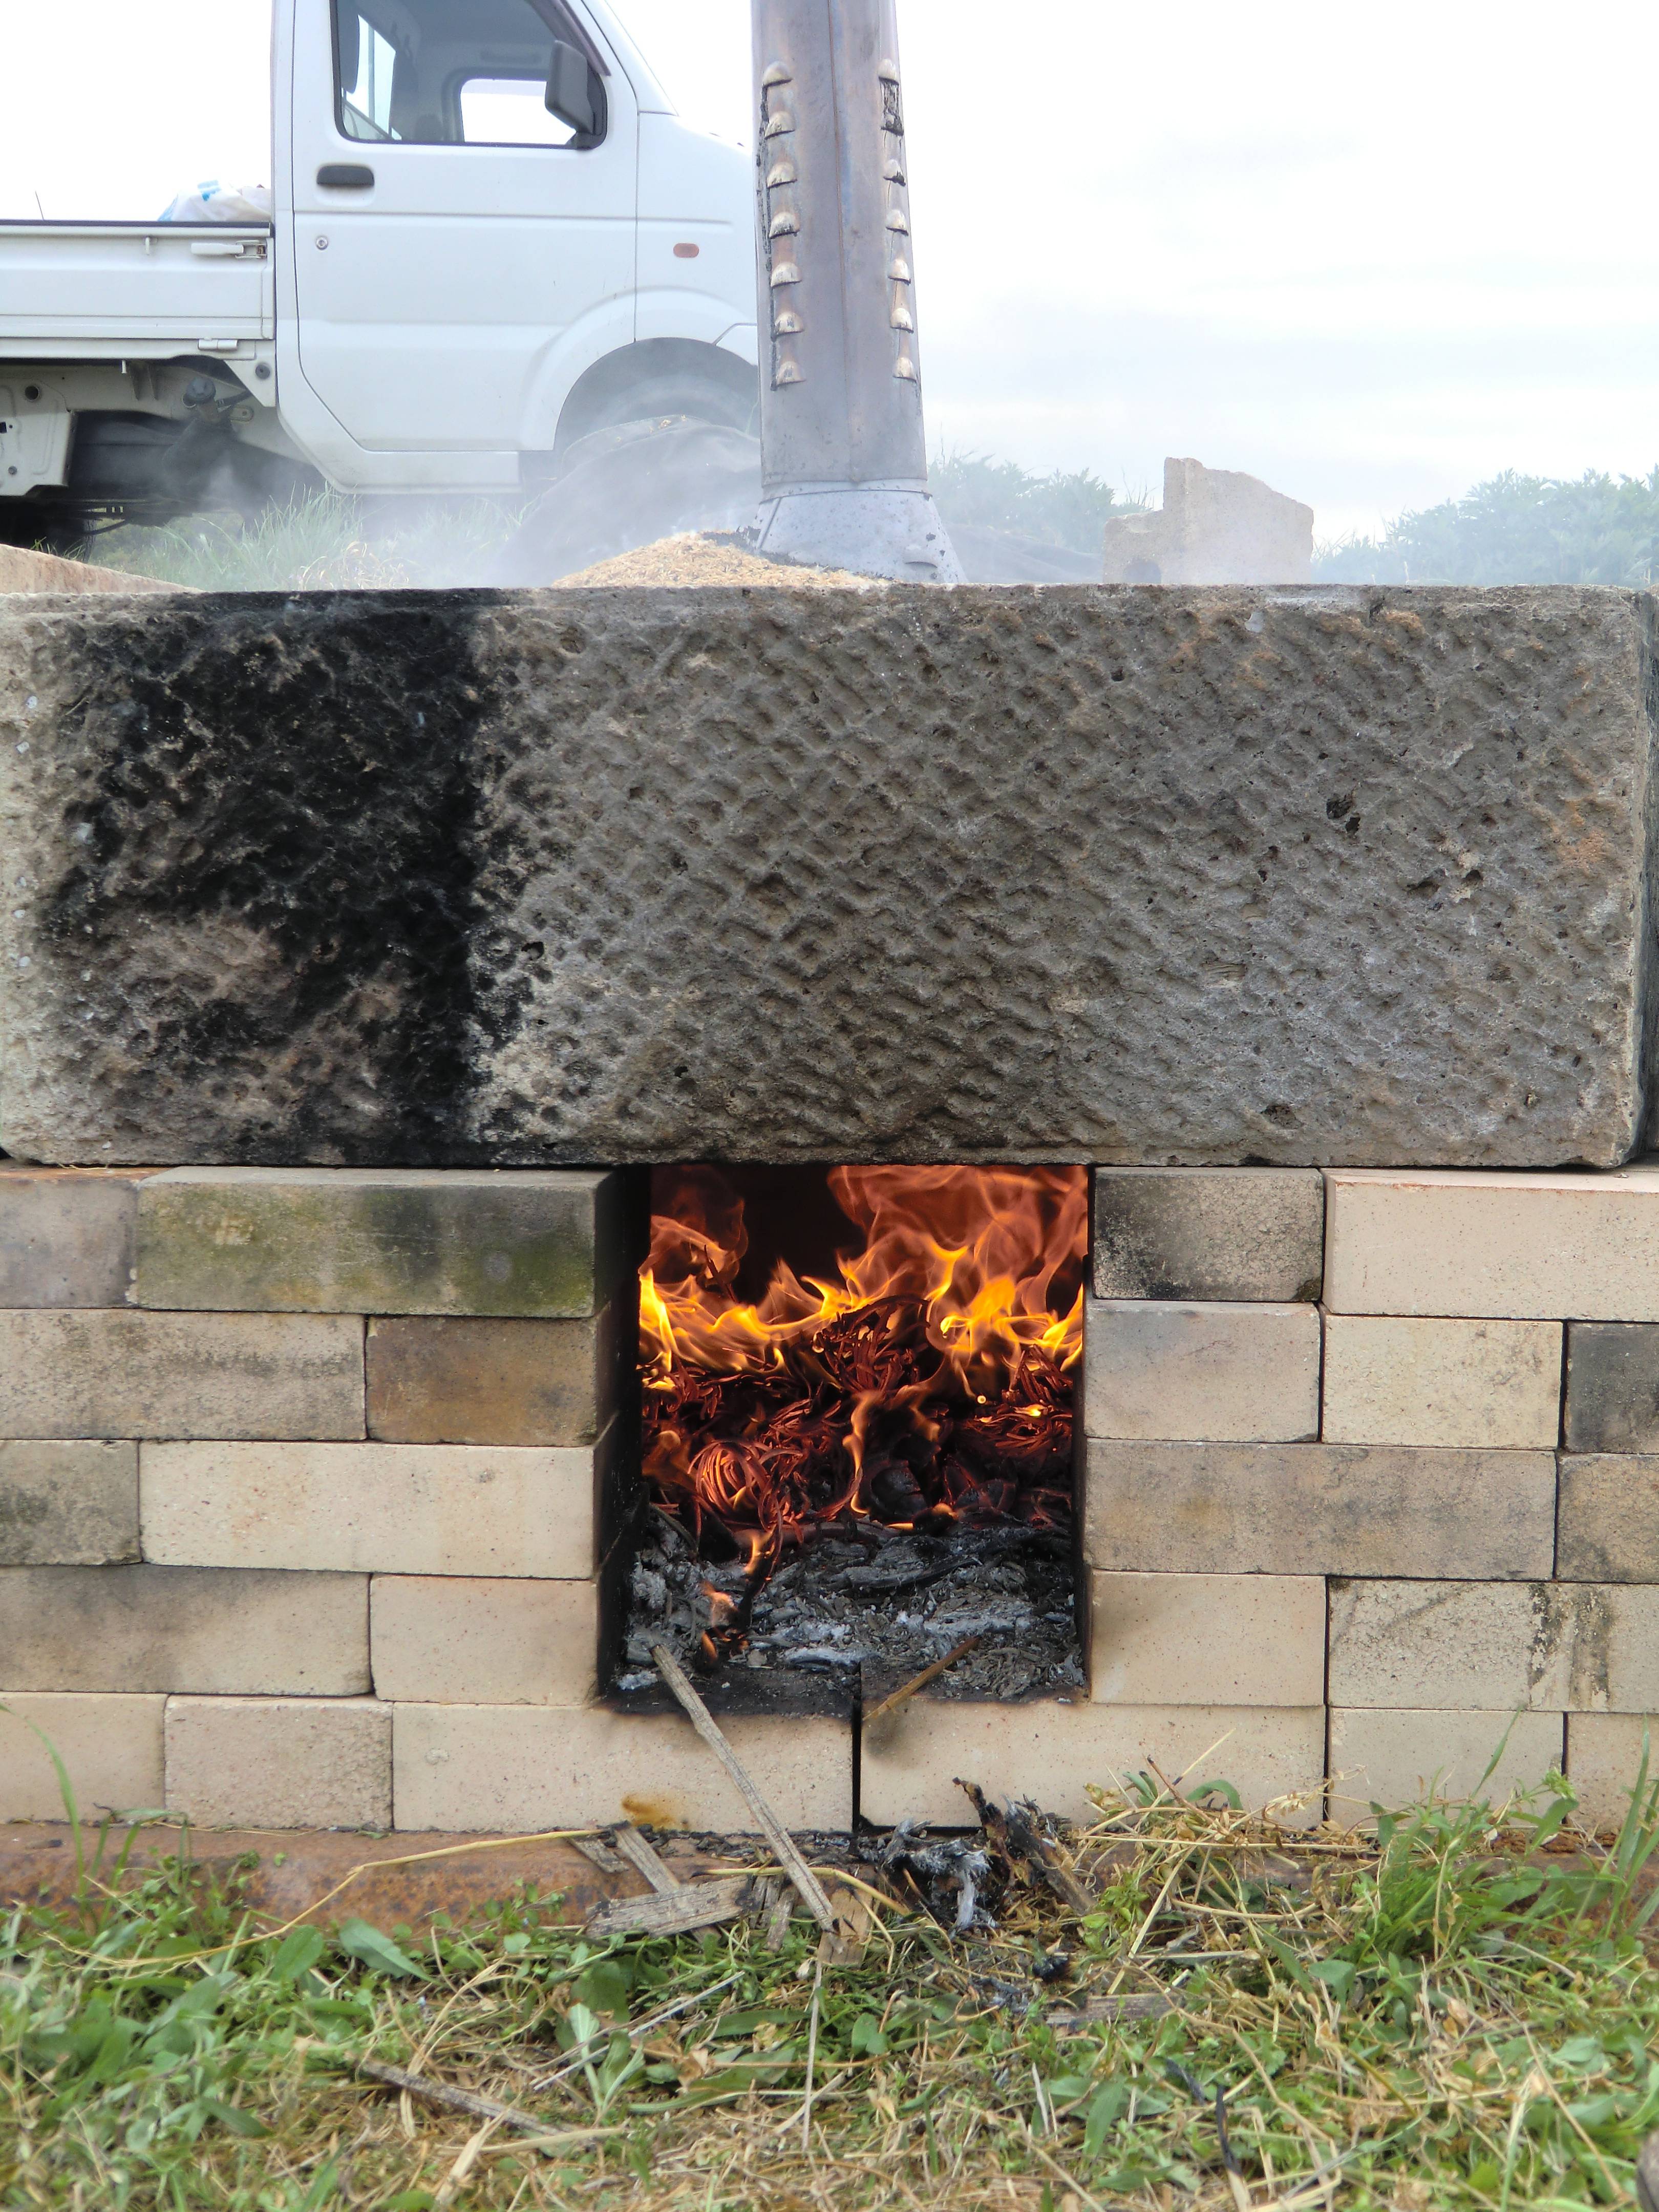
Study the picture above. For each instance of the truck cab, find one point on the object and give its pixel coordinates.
(491, 236)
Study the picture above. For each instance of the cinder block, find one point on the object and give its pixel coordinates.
(184, 1628)
(67, 1236)
(1604, 1764)
(1607, 1524)
(1397, 1760)
(441, 1380)
(540, 1243)
(1495, 1647)
(451, 1640)
(1052, 1752)
(1612, 1387)
(1227, 1374)
(178, 1375)
(522, 1768)
(1208, 1640)
(280, 1762)
(111, 1745)
(1544, 1246)
(370, 1508)
(1450, 1384)
(1319, 1509)
(1235, 1233)
(68, 1505)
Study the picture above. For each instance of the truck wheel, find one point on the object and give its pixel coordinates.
(630, 485)
(656, 378)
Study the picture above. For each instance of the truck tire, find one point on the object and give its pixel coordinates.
(658, 378)
(630, 485)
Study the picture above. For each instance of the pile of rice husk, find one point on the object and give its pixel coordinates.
(691, 559)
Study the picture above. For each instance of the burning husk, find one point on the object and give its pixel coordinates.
(899, 1432)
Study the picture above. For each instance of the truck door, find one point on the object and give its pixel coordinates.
(464, 194)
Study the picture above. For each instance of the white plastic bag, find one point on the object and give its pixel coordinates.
(216, 202)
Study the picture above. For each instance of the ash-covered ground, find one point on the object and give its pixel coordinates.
(862, 1608)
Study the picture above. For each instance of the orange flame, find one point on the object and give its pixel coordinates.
(932, 1375)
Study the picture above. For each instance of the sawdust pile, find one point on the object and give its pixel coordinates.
(691, 560)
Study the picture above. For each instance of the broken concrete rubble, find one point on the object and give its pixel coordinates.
(1215, 526)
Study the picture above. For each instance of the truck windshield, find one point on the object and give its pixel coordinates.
(450, 72)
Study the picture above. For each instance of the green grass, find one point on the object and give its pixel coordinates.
(1459, 2014)
(325, 542)
(329, 540)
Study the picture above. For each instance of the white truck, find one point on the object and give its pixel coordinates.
(492, 236)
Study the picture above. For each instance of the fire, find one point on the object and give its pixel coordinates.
(930, 1377)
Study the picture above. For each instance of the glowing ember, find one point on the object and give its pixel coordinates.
(928, 1383)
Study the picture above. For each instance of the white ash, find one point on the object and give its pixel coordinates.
(885, 1602)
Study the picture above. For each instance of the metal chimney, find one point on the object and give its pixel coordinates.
(843, 453)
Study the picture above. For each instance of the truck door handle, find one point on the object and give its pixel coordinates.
(345, 176)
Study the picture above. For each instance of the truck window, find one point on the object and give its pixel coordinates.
(454, 72)
(366, 61)
(507, 111)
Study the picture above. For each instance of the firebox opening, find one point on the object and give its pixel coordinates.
(856, 1390)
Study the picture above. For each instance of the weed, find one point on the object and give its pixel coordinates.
(1455, 2013)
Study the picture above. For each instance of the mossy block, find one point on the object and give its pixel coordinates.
(537, 1243)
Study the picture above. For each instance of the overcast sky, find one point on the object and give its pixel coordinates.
(1372, 255)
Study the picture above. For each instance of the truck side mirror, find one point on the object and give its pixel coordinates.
(575, 94)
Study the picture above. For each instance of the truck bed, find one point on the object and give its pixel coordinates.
(100, 291)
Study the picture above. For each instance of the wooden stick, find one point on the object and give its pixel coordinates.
(901, 1697)
(644, 1860)
(811, 2065)
(453, 2100)
(806, 1882)
(602, 1856)
(676, 1912)
(1095, 2010)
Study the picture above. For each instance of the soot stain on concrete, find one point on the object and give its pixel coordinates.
(267, 785)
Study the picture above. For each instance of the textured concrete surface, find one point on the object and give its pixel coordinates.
(1223, 877)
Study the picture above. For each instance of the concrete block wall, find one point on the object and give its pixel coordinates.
(309, 1483)
(1376, 1452)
